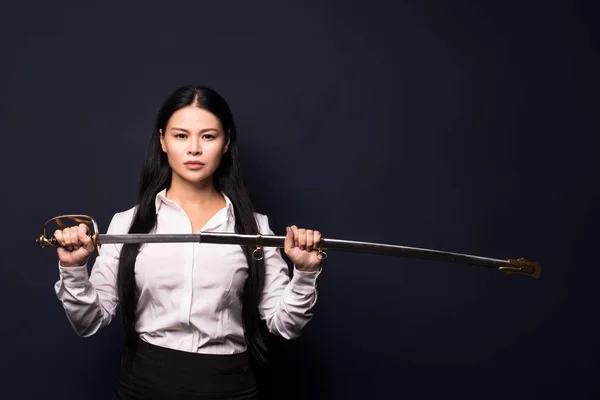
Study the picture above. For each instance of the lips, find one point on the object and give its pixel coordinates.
(194, 165)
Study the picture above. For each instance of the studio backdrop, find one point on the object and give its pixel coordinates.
(455, 126)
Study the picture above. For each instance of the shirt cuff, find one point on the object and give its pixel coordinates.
(73, 276)
(304, 282)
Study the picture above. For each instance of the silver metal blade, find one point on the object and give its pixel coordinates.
(327, 244)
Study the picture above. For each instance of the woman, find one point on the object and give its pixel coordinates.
(192, 312)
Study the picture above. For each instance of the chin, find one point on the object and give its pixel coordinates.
(195, 178)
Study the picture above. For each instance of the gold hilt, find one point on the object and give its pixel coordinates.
(50, 241)
(522, 266)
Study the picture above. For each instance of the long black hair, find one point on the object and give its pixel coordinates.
(155, 176)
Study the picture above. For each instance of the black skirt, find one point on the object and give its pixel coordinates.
(161, 373)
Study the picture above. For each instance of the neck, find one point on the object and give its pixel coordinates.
(188, 194)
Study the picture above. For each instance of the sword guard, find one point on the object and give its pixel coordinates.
(522, 266)
(50, 241)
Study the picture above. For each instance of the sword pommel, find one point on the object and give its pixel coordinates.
(522, 266)
(44, 241)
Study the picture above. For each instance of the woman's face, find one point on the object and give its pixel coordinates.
(194, 142)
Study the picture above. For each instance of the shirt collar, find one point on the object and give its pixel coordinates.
(161, 197)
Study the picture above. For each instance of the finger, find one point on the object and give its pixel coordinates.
(58, 234)
(310, 237)
(295, 231)
(75, 235)
(83, 229)
(302, 238)
(289, 239)
(75, 238)
(67, 238)
(318, 238)
(84, 238)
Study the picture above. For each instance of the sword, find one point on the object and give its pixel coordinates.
(508, 266)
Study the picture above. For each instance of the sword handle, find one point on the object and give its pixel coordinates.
(44, 241)
(50, 241)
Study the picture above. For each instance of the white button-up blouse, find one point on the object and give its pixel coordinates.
(189, 293)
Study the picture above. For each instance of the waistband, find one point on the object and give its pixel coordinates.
(184, 360)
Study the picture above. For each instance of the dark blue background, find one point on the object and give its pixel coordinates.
(459, 126)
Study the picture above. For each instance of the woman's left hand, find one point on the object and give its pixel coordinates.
(301, 246)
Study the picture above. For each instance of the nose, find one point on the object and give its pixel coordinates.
(194, 147)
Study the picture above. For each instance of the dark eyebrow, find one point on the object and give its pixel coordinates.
(202, 131)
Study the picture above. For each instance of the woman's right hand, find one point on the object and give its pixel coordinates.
(75, 245)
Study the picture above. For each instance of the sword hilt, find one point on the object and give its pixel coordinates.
(50, 241)
(522, 266)
(44, 241)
